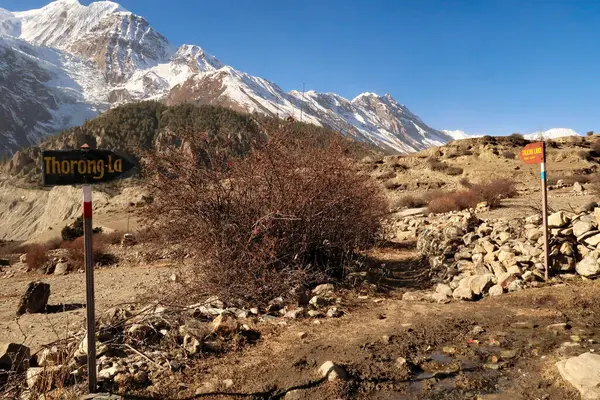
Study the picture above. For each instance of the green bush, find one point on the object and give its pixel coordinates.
(75, 230)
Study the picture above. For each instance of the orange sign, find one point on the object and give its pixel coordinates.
(533, 153)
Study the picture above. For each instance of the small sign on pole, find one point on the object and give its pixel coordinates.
(85, 166)
(535, 153)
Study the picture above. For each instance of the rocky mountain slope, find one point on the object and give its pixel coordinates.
(66, 62)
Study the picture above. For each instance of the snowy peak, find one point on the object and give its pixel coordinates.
(457, 134)
(62, 22)
(194, 57)
(551, 134)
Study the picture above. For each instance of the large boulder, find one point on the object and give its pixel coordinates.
(583, 373)
(35, 298)
(463, 291)
(589, 266)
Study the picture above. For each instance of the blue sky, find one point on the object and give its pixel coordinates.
(482, 66)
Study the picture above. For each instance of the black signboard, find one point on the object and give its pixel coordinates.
(85, 166)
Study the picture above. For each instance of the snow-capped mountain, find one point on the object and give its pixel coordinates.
(66, 62)
(551, 134)
(457, 134)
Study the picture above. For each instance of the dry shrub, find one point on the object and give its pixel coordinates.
(465, 182)
(410, 201)
(439, 166)
(387, 175)
(289, 214)
(596, 146)
(589, 133)
(36, 252)
(516, 139)
(584, 155)
(508, 155)
(491, 192)
(100, 255)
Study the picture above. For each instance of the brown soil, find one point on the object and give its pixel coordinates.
(418, 332)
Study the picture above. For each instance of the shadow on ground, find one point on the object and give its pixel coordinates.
(58, 308)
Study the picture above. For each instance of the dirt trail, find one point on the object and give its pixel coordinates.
(513, 358)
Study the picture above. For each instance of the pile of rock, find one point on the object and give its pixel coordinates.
(472, 258)
(134, 346)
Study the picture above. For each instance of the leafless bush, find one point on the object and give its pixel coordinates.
(410, 201)
(596, 146)
(491, 192)
(465, 182)
(508, 155)
(590, 133)
(36, 252)
(439, 166)
(584, 155)
(289, 213)
(99, 242)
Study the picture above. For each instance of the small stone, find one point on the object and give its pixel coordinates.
(593, 240)
(523, 325)
(334, 312)
(589, 267)
(575, 338)
(515, 270)
(192, 344)
(496, 290)
(228, 383)
(508, 354)
(562, 326)
(412, 296)
(503, 237)
(315, 314)
(582, 227)
(558, 220)
(444, 289)
(332, 371)
(463, 291)
(401, 362)
(515, 285)
(323, 289)
(224, 325)
(449, 350)
(318, 301)
(578, 188)
(477, 330)
(481, 283)
(294, 314)
(440, 298)
(302, 335)
(61, 268)
(534, 234)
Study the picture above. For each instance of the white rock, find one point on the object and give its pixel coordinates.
(495, 290)
(444, 289)
(589, 266)
(583, 372)
(479, 284)
(323, 289)
(332, 371)
(580, 228)
(558, 220)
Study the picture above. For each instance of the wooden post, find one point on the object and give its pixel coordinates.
(545, 212)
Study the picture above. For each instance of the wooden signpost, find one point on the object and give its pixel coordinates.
(535, 153)
(87, 167)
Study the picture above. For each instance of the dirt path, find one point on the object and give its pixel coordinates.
(511, 358)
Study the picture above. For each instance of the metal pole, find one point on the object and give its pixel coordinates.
(89, 287)
(545, 211)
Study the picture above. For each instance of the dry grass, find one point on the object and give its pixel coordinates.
(99, 245)
(439, 166)
(410, 201)
(491, 192)
(510, 155)
(291, 213)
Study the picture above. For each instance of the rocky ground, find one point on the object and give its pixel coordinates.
(453, 306)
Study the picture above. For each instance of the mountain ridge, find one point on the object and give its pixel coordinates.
(135, 62)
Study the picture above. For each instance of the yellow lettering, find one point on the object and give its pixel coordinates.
(119, 165)
(81, 167)
(91, 166)
(100, 170)
(109, 165)
(73, 164)
(55, 166)
(48, 164)
(65, 167)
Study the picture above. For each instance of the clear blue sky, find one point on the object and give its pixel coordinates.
(483, 66)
